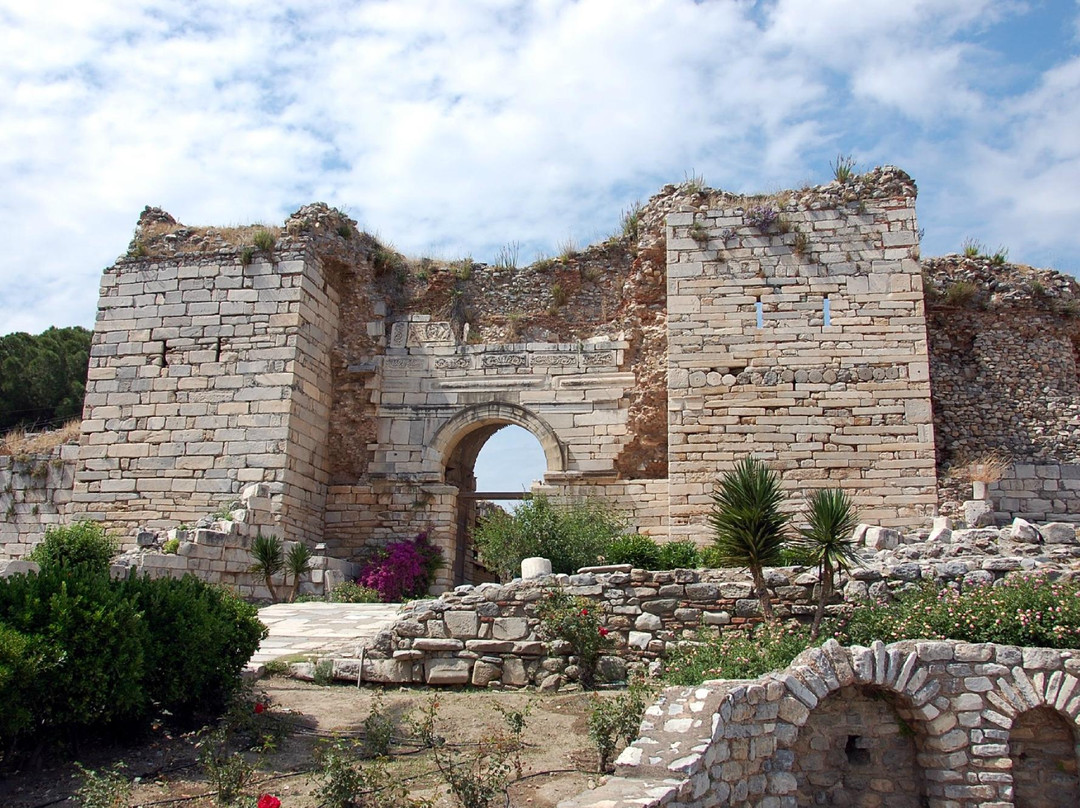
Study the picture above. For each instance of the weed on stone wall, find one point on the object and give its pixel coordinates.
(744, 654)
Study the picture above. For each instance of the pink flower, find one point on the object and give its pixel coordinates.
(267, 801)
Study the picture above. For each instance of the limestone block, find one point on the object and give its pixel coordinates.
(1059, 533)
(447, 671)
(882, 538)
(1025, 532)
(484, 673)
(513, 673)
(509, 628)
(978, 513)
(389, 671)
(462, 624)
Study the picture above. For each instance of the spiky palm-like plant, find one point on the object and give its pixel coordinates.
(268, 561)
(827, 540)
(297, 563)
(749, 526)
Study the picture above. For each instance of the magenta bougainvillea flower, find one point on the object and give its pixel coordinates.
(404, 569)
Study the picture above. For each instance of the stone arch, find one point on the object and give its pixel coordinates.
(1044, 753)
(461, 438)
(858, 747)
(453, 452)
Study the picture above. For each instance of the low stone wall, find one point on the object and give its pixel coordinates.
(488, 635)
(1043, 492)
(909, 724)
(34, 492)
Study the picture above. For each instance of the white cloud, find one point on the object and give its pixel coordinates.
(468, 125)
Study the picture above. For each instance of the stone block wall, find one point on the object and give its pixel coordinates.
(208, 373)
(35, 490)
(1038, 492)
(802, 341)
(944, 724)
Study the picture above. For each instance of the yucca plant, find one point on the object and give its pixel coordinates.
(269, 560)
(749, 526)
(827, 541)
(297, 563)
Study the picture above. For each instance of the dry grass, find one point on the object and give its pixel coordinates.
(18, 442)
(151, 235)
(987, 467)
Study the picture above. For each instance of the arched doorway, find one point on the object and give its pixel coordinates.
(1043, 748)
(458, 444)
(857, 748)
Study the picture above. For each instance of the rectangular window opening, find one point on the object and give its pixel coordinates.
(827, 310)
(760, 317)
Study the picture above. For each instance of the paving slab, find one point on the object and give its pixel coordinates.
(321, 629)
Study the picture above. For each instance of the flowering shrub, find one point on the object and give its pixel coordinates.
(269, 801)
(743, 654)
(1021, 610)
(761, 216)
(576, 621)
(404, 569)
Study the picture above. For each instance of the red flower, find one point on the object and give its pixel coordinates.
(603, 631)
(259, 708)
(266, 801)
(584, 612)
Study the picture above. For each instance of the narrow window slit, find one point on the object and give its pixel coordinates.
(164, 354)
(827, 310)
(760, 314)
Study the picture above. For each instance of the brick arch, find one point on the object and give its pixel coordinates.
(486, 419)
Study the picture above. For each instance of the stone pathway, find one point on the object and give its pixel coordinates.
(321, 629)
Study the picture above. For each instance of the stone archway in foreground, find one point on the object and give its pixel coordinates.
(1043, 750)
(856, 749)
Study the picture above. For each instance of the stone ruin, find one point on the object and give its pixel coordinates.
(355, 388)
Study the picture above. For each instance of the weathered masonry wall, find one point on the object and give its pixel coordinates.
(208, 373)
(439, 399)
(908, 724)
(35, 490)
(801, 341)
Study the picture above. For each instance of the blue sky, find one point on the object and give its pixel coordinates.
(452, 128)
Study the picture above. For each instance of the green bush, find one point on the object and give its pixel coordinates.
(350, 592)
(1022, 610)
(85, 637)
(576, 621)
(679, 555)
(81, 654)
(571, 536)
(77, 544)
(640, 551)
(613, 719)
(744, 654)
(200, 638)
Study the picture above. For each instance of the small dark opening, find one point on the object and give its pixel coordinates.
(856, 754)
(164, 354)
(217, 350)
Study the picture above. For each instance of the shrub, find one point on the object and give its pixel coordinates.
(614, 719)
(83, 543)
(351, 592)
(171, 547)
(106, 789)
(1022, 610)
(200, 638)
(828, 541)
(81, 654)
(571, 536)
(961, 293)
(85, 638)
(761, 216)
(749, 526)
(744, 654)
(263, 240)
(679, 555)
(640, 551)
(576, 621)
(404, 569)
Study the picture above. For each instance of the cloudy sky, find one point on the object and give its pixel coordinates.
(452, 128)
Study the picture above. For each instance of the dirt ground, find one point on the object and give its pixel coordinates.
(557, 758)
